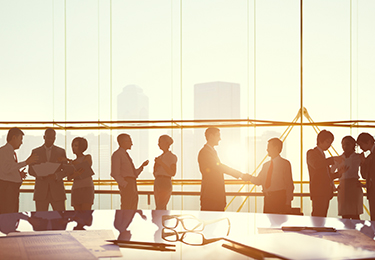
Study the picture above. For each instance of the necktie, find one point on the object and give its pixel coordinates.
(269, 176)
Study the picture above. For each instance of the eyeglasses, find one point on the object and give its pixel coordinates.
(189, 222)
(191, 238)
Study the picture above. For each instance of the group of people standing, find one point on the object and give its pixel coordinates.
(49, 187)
(275, 176)
(323, 171)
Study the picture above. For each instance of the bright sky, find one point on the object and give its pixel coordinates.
(218, 44)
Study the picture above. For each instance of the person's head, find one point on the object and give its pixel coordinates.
(79, 145)
(124, 141)
(274, 147)
(348, 144)
(14, 137)
(165, 141)
(49, 137)
(212, 136)
(365, 141)
(324, 140)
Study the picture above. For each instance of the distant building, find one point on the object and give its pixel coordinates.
(217, 100)
(133, 104)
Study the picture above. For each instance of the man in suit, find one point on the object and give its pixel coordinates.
(49, 189)
(321, 178)
(125, 173)
(276, 179)
(11, 175)
(366, 143)
(213, 187)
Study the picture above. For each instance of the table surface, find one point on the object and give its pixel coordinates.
(147, 226)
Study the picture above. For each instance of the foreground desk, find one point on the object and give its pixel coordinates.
(190, 240)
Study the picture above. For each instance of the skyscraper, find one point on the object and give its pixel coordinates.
(218, 100)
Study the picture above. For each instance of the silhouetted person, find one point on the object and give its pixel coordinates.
(366, 143)
(213, 187)
(350, 195)
(123, 218)
(42, 221)
(321, 179)
(164, 170)
(83, 186)
(276, 180)
(9, 222)
(49, 189)
(83, 218)
(124, 172)
(10, 175)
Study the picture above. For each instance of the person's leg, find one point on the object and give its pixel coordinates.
(275, 202)
(58, 205)
(320, 207)
(41, 205)
(129, 195)
(86, 206)
(163, 191)
(371, 202)
(12, 193)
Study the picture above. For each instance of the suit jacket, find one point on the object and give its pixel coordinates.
(43, 184)
(321, 183)
(368, 173)
(213, 186)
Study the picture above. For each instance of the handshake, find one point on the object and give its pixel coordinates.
(245, 177)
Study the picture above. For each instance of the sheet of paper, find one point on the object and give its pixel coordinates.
(93, 240)
(45, 169)
(293, 245)
(43, 247)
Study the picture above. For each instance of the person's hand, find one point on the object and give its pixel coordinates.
(33, 158)
(23, 174)
(338, 159)
(340, 171)
(75, 174)
(246, 177)
(145, 163)
(63, 159)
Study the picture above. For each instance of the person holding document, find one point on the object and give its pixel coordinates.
(49, 186)
(10, 175)
(83, 186)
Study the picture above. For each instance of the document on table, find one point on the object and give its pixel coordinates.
(92, 240)
(43, 247)
(44, 169)
(297, 246)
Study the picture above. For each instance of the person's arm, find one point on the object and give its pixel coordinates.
(60, 172)
(9, 165)
(288, 179)
(261, 178)
(140, 169)
(317, 161)
(116, 170)
(171, 170)
(88, 159)
(365, 165)
(31, 169)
